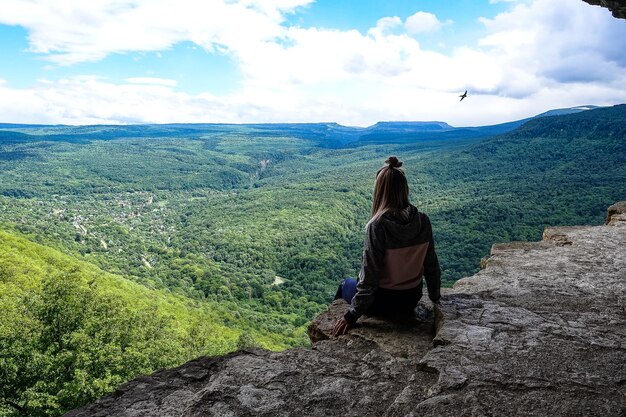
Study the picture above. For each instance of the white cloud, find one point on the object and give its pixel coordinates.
(152, 80)
(89, 100)
(385, 26)
(71, 31)
(551, 42)
(539, 55)
(422, 22)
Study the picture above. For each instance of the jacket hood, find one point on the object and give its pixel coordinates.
(402, 227)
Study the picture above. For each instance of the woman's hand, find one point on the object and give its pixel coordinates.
(341, 327)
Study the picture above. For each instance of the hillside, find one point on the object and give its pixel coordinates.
(70, 332)
(509, 187)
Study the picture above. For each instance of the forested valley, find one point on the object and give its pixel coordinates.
(124, 249)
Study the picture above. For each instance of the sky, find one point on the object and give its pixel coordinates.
(353, 62)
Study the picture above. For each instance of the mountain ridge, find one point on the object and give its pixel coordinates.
(324, 134)
(381, 123)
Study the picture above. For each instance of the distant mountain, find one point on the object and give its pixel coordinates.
(568, 110)
(592, 122)
(20, 125)
(583, 146)
(412, 132)
(407, 132)
(411, 126)
(327, 135)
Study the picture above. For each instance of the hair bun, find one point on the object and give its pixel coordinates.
(393, 162)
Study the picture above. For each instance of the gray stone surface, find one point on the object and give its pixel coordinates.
(372, 371)
(406, 337)
(540, 331)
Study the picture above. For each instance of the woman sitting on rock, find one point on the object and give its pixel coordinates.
(399, 250)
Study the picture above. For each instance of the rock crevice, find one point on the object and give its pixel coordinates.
(541, 330)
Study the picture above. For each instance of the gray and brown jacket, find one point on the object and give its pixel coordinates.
(399, 250)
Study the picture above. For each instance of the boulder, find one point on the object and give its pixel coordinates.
(616, 213)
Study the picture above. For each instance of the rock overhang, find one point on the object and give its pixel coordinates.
(617, 7)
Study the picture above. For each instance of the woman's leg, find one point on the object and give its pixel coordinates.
(346, 290)
(390, 302)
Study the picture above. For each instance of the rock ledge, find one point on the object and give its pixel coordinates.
(541, 330)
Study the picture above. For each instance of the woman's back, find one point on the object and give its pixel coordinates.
(406, 235)
(398, 250)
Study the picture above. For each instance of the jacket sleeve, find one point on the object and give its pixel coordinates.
(371, 265)
(432, 271)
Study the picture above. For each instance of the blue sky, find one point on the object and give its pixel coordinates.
(354, 62)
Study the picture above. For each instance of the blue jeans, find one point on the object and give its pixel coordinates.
(385, 301)
(346, 290)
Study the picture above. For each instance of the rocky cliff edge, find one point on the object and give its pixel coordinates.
(541, 330)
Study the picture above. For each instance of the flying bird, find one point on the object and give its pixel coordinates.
(463, 95)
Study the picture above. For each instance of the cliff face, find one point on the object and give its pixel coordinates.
(617, 7)
(541, 330)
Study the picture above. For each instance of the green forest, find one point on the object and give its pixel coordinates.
(125, 249)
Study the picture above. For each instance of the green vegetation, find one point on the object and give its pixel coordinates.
(71, 332)
(238, 235)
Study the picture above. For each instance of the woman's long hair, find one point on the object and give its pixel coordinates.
(391, 191)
